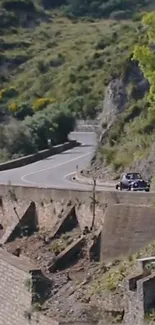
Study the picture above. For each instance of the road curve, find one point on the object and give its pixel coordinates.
(54, 171)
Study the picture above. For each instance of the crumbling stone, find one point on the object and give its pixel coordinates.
(22, 284)
(67, 255)
(139, 297)
(67, 222)
(24, 226)
(68, 276)
(95, 246)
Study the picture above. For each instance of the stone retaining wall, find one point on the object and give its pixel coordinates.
(16, 294)
(38, 156)
(127, 228)
(128, 219)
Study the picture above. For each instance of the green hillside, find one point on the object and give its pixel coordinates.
(58, 58)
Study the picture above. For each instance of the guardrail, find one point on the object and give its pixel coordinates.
(22, 161)
(88, 126)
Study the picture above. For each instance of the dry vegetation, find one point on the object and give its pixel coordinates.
(63, 59)
(67, 61)
(92, 287)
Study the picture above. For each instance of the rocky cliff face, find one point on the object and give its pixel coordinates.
(114, 102)
(119, 93)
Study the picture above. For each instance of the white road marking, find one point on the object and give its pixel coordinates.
(23, 178)
(36, 162)
(72, 173)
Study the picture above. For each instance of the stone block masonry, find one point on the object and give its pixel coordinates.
(67, 255)
(16, 294)
(21, 224)
(49, 204)
(128, 219)
(139, 298)
(128, 224)
(127, 229)
(44, 195)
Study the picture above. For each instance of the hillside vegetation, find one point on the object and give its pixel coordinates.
(130, 142)
(56, 60)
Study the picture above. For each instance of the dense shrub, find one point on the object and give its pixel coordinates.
(54, 122)
(30, 135)
(16, 139)
(41, 103)
(7, 93)
(20, 111)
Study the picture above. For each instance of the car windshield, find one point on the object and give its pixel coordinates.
(133, 176)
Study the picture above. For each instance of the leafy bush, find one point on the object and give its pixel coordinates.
(17, 139)
(30, 135)
(13, 107)
(20, 111)
(41, 103)
(53, 123)
(7, 93)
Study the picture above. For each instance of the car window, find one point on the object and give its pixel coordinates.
(137, 176)
(133, 176)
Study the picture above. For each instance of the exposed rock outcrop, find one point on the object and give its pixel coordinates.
(118, 95)
(114, 102)
(119, 92)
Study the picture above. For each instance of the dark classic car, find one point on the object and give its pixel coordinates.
(132, 182)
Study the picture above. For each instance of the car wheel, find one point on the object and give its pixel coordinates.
(147, 190)
(121, 187)
(117, 186)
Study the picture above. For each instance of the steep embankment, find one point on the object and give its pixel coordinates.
(127, 137)
(57, 60)
(61, 60)
(47, 57)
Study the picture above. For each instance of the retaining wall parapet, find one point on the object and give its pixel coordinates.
(22, 161)
(36, 194)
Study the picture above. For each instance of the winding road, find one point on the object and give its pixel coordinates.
(54, 171)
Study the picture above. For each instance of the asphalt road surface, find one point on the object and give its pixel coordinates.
(54, 171)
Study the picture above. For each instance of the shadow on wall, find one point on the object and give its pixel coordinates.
(24, 225)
